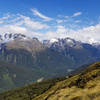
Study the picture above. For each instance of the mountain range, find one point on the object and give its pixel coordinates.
(21, 55)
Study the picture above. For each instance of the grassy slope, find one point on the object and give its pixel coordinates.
(83, 86)
(29, 92)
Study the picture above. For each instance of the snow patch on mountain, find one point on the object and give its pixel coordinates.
(53, 40)
(10, 36)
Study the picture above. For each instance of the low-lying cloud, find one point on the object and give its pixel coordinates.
(46, 30)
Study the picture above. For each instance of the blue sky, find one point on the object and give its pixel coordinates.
(45, 19)
(51, 7)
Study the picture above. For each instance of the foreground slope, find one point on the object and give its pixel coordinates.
(82, 86)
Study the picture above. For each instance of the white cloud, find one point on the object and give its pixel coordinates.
(77, 21)
(18, 29)
(12, 29)
(5, 17)
(28, 26)
(20, 20)
(69, 17)
(35, 25)
(59, 21)
(22, 24)
(1, 21)
(88, 34)
(61, 29)
(37, 13)
(31, 27)
(61, 32)
(77, 14)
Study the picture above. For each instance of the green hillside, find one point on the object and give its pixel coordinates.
(82, 86)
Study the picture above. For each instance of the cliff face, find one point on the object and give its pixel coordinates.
(28, 61)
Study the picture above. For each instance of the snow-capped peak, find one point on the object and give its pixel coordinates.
(92, 41)
(53, 40)
(69, 40)
(64, 42)
(10, 36)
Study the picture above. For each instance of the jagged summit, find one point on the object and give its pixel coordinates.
(63, 42)
(10, 36)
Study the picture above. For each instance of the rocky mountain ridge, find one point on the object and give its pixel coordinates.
(44, 59)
